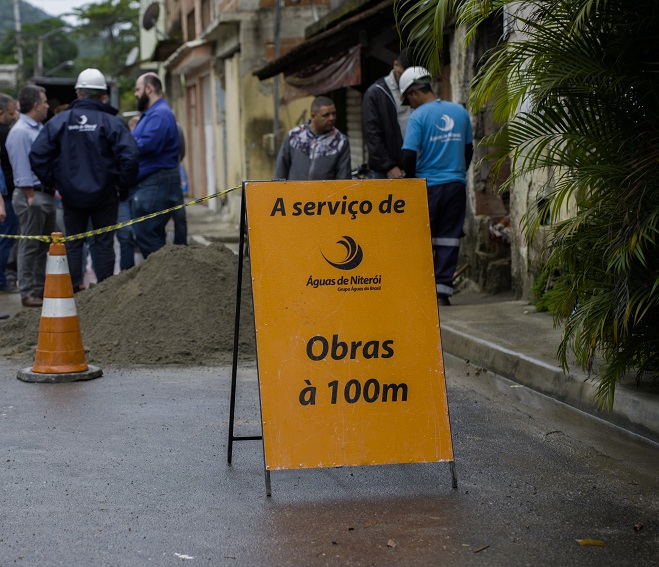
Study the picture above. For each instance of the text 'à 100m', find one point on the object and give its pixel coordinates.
(372, 391)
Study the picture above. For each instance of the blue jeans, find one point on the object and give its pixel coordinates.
(157, 192)
(10, 226)
(180, 227)
(126, 238)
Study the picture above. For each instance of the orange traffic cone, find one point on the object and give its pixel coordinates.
(60, 356)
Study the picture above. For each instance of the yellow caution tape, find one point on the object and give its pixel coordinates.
(49, 238)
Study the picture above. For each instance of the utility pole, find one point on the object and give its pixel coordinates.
(20, 76)
(38, 69)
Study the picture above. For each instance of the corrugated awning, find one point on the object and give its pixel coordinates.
(164, 48)
(189, 56)
(341, 70)
(328, 44)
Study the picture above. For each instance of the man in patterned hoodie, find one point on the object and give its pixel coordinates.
(315, 150)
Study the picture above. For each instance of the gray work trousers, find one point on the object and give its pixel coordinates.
(36, 219)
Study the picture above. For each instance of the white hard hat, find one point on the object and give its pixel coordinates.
(91, 79)
(410, 76)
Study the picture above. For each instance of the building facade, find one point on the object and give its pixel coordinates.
(207, 50)
(240, 73)
(345, 52)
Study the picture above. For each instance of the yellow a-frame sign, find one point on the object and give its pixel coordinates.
(348, 341)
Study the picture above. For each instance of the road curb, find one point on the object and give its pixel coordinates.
(633, 410)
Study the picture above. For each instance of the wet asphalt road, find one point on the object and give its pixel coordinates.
(130, 470)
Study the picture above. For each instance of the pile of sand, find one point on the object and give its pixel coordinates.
(178, 307)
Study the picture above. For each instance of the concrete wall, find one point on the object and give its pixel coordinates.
(528, 256)
(245, 148)
(493, 265)
(484, 261)
(235, 160)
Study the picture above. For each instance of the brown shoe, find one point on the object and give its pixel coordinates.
(32, 301)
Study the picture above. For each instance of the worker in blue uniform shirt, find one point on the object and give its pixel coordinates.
(438, 147)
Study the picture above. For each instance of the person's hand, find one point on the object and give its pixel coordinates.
(29, 195)
(3, 211)
(395, 173)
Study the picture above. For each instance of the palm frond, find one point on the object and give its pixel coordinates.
(575, 94)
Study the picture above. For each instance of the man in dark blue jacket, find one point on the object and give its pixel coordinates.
(88, 154)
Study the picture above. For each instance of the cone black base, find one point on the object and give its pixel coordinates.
(27, 375)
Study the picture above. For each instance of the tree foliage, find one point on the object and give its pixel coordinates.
(57, 47)
(576, 93)
(110, 29)
(107, 32)
(29, 15)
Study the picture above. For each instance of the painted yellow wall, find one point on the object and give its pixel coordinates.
(258, 115)
(240, 151)
(235, 158)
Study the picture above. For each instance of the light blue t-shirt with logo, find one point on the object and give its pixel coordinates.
(438, 132)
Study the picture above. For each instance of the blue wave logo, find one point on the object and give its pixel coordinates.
(354, 255)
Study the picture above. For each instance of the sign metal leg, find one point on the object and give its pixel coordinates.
(236, 329)
(268, 486)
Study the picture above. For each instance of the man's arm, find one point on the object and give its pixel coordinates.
(409, 163)
(411, 145)
(3, 186)
(374, 135)
(469, 154)
(129, 158)
(283, 165)
(18, 149)
(150, 134)
(43, 154)
(181, 142)
(4, 158)
(343, 169)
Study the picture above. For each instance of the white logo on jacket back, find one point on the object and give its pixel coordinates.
(82, 125)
